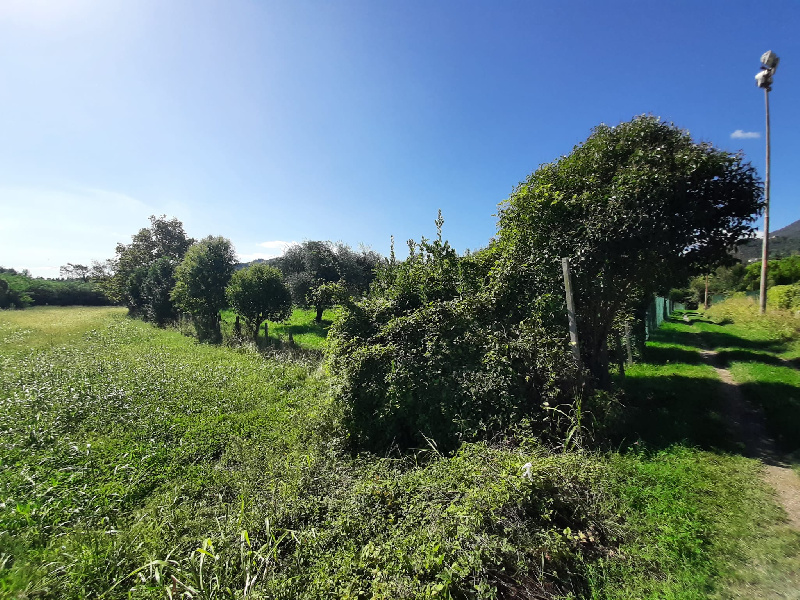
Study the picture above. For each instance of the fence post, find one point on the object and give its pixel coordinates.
(573, 322)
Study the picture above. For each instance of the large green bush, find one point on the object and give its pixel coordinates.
(425, 357)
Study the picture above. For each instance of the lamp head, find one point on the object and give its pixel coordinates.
(770, 60)
(764, 79)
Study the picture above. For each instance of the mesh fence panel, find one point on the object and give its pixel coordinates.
(659, 311)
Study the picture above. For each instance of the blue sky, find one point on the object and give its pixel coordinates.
(273, 122)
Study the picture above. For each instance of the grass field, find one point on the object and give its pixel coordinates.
(136, 463)
(307, 333)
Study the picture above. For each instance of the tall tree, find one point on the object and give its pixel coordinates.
(74, 271)
(636, 208)
(164, 238)
(200, 282)
(258, 294)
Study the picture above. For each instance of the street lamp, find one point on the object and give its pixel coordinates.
(769, 63)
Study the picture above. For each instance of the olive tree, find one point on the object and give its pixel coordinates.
(258, 294)
(200, 282)
(309, 268)
(636, 208)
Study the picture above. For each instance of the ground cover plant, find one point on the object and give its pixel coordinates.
(138, 463)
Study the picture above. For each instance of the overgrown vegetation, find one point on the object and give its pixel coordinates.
(138, 464)
(454, 347)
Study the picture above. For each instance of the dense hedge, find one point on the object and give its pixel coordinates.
(20, 291)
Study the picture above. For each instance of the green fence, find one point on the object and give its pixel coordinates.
(659, 311)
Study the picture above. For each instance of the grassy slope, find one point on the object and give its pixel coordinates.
(125, 448)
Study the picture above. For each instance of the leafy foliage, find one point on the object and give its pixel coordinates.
(165, 238)
(424, 358)
(258, 293)
(156, 288)
(635, 208)
(75, 271)
(21, 290)
(312, 264)
(200, 282)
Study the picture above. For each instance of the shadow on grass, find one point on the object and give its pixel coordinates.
(668, 401)
(290, 350)
(717, 339)
(320, 329)
(781, 405)
(663, 410)
(727, 357)
(660, 355)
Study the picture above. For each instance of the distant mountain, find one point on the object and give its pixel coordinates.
(783, 242)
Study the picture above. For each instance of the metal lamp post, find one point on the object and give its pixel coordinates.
(769, 63)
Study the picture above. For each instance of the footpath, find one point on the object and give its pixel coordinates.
(748, 424)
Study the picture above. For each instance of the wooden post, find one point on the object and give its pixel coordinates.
(573, 322)
(705, 304)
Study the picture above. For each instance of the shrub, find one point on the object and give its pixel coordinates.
(425, 357)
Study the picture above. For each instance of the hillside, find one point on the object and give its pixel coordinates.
(783, 242)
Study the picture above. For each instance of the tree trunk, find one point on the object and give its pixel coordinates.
(320, 308)
(595, 357)
(255, 332)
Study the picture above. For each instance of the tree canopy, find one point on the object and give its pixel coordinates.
(165, 238)
(200, 282)
(635, 208)
(312, 264)
(258, 293)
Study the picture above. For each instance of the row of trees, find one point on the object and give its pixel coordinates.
(447, 347)
(162, 272)
(311, 267)
(19, 290)
(742, 278)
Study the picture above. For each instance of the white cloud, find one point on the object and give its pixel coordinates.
(740, 134)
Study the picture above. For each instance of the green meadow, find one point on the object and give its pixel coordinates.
(137, 463)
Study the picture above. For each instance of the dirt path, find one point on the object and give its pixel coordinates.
(748, 425)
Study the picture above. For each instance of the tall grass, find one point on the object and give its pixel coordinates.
(136, 463)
